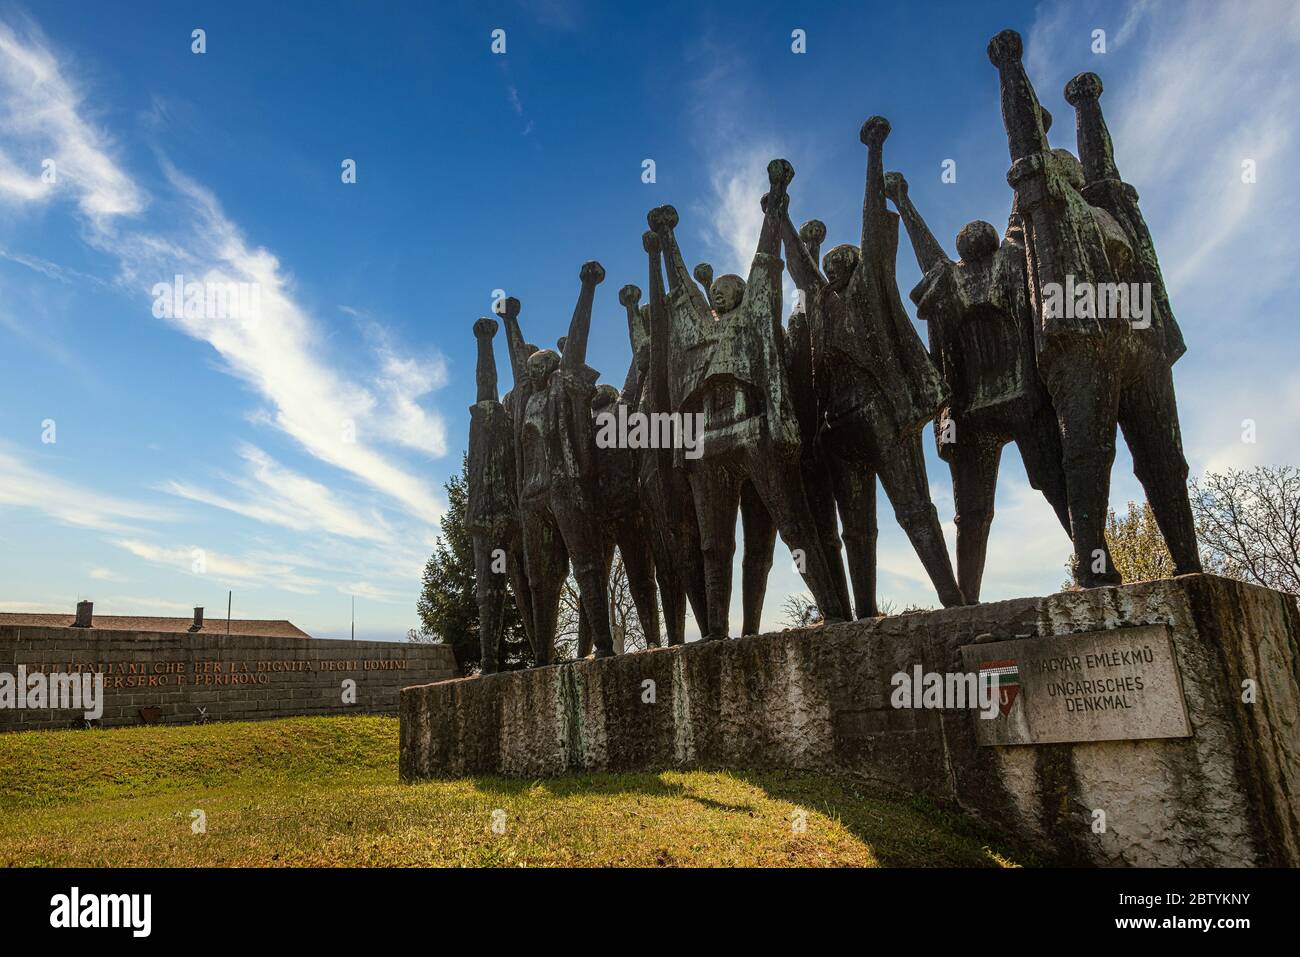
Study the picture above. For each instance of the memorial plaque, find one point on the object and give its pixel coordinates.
(1113, 685)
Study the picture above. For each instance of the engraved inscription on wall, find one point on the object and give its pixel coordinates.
(214, 671)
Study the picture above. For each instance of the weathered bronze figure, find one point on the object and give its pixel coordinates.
(559, 482)
(492, 507)
(622, 519)
(516, 405)
(665, 486)
(828, 481)
(1148, 409)
(981, 330)
(731, 370)
(877, 385)
(1099, 367)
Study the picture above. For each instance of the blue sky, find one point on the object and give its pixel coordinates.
(195, 457)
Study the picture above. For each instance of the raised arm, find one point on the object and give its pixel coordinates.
(1015, 224)
(575, 346)
(927, 249)
(776, 207)
(1096, 152)
(663, 220)
(486, 372)
(800, 258)
(630, 298)
(764, 274)
(515, 345)
(873, 134)
(660, 326)
(1021, 113)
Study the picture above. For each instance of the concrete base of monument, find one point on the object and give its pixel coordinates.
(1176, 744)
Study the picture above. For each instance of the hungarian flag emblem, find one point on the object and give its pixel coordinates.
(1005, 677)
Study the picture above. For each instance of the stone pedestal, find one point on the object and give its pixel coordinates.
(1177, 754)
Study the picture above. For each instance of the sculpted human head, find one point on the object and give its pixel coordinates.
(541, 365)
(605, 396)
(727, 293)
(1069, 164)
(839, 263)
(977, 241)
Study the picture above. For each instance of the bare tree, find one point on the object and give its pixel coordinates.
(1248, 523)
(800, 611)
(624, 624)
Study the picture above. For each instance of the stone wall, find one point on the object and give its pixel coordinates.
(820, 699)
(236, 678)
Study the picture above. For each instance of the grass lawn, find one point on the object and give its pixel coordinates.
(325, 792)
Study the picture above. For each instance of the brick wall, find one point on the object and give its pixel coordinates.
(239, 678)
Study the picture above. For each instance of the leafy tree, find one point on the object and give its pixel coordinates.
(1136, 546)
(1248, 523)
(448, 606)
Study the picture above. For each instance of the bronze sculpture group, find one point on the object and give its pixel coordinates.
(799, 420)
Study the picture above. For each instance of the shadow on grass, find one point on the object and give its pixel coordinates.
(648, 784)
(901, 831)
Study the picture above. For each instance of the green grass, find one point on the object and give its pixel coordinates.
(325, 792)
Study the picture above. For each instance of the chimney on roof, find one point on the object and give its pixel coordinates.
(85, 615)
(198, 619)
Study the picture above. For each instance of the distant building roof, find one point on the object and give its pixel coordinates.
(180, 626)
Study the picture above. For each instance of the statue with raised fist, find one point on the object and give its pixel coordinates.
(1101, 365)
(981, 330)
(559, 482)
(622, 517)
(828, 481)
(492, 507)
(1148, 411)
(709, 490)
(665, 488)
(877, 385)
(731, 370)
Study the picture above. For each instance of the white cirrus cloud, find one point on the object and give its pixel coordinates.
(25, 486)
(276, 495)
(245, 571)
(41, 118)
(344, 420)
